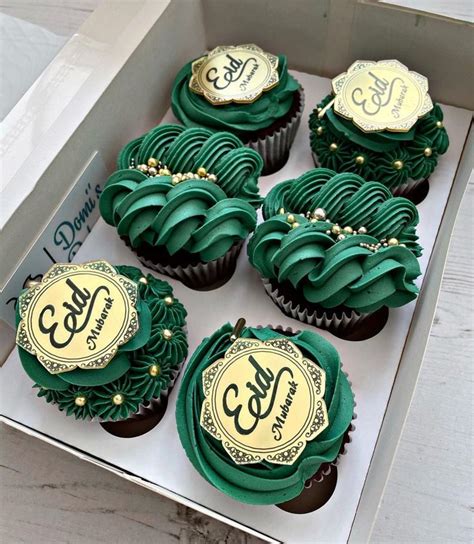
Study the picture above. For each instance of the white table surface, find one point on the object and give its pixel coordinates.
(46, 495)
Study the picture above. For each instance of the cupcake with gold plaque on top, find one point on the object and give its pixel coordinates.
(264, 415)
(102, 343)
(246, 91)
(380, 123)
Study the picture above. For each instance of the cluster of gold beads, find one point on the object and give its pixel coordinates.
(390, 242)
(153, 167)
(341, 233)
(80, 400)
(201, 173)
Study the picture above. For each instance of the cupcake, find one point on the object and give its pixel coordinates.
(264, 414)
(185, 201)
(245, 91)
(336, 251)
(380, 123)
(102, 343)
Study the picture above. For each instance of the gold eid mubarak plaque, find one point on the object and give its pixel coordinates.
(382, 95)
(264, 401)
(239, 73)
(78, 316)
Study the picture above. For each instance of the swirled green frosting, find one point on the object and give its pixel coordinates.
(198, 216)
(331, 272)
(262, 483)
(193, 110)
(393, 158)
(128, 374)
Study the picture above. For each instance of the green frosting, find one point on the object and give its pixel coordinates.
(381, 151)
(331, 272)
(262, 483)
(193, 110)
(128, 373)
(198, 216)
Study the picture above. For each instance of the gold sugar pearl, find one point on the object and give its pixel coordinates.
(142, 168)
(439, 124)
(143, 280)
(291, 218)
(167, 334)
(319, 213)
(295, 224)
(153, 171)
(428, 152)
(154, 371)
(118, 399)
(362, 230)
(348, 230)
(164, 172)
(398, 165)
(333, 147)
(152, 162)
(392, 242)
(360, 159)
(341, 237)
(168, 301)
(320, 131)
(336, 229)
(201, 172)
(212, 177)
(80, 400)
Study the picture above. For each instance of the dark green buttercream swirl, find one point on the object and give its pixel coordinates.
(329, 272)
(389, 157)
(158, 311)
(262, 483)
(193, 110)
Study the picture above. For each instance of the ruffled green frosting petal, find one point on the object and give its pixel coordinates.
(198, 216)
(328, 272)
(382, 152)
(193, 110)
(262, 483)
(158, 311)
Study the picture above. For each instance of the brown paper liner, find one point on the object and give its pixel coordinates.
(274, 148)
(199, 276)
(342, 322)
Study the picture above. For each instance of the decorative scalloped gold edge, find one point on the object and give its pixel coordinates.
(25, 299)
(339, 107)
(216, 100)
(243, 457)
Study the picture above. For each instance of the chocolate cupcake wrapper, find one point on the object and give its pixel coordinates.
(322, 319)
(202, 275)
(274, 148)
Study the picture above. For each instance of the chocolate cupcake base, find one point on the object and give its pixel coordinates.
(273, 144)
(320, 488)
(195, 275)
(342, 322)
(416, 191)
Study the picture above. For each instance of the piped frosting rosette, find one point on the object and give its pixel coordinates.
(194, 207)
(262, 482)
(339, 243)
(142, 370)
(396, 159)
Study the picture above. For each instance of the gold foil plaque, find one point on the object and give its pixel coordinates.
(78, 316)
(264, 401)
(239, 73)
(382, 95)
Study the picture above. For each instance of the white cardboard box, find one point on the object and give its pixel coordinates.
(87, 130)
